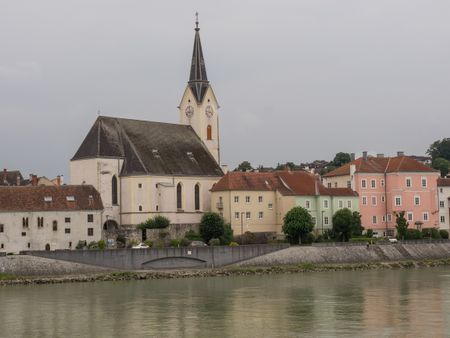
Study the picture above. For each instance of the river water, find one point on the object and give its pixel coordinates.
(384, 303)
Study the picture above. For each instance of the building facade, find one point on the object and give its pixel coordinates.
(388, 185)
(145, 168)
(257, 202)
(48, 217)
(443, 185)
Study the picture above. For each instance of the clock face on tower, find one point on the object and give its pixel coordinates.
(189, 111)
(209, 111)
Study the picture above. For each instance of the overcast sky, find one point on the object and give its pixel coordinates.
(296, 80)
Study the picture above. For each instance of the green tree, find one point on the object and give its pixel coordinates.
(357, 228)
(442, 165)
(212, 225)
(340, 159)
(440, 148)
(157, 222)
(343, 224)
(402, 225)
(227, 236)
(297, 223)
(244, 166)
(287, 165)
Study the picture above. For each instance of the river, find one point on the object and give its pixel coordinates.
(387, 303)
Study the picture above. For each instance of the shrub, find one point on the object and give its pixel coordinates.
(443, 233)
(101, 244)
(214, 242)
(149, 243)
(431, 233)
(120, 240)
(233, 244)
(343, 224)
(212, 225)
(369, 233)
(157, 222)
(80, 245)
(227, 236)
(413, 234)
(93, 245)
(132, 243)
(175, 243)
(319, 239)
(184, 242)
(248, 238)
(357, 228)
(159, 244)
(193, 236)
(309, 238)
(297, 223)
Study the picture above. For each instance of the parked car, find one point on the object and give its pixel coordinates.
(140, 246)
(392, 240)
(198, 243)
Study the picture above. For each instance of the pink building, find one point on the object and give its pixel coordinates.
(387, 185)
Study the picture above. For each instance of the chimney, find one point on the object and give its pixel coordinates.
(316, 184)
(61, 180)
(5, 175)
(380, 155)
(352, 156)
(400, 153)
(364, 155)
(58, 180)
(34, 180)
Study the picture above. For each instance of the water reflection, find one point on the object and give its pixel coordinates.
(370, 303)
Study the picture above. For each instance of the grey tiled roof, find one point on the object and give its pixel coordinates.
(149, 147)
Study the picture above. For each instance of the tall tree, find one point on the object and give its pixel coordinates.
(357, 227)
(244, 166)
(402, 225)
(340, 159)
(297, 223)
(440, 148)
(343, 224)
(442, 165)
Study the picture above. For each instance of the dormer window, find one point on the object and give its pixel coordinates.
(191, 156)
(155, 153)
(70, 198)
(48, 199)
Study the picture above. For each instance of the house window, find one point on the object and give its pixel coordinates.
(441, 190)
(409, 216)
(398, 201)
(383, 199)
(270, 206)
(179, 196)
(55, 225)
(197, 196)
(416, 200)
(373, 184)
(389, 218)
(349, 184)
(90, 218)
(40, 222)
(442, 219)
(2, 246)
(382, 182)
(349, 204)
(67, 230)
(363, 184)
(335, 184)
(140, 208)
(236, 199)
(425, 216)
(329, 185)
(90, 231)
(29, 245)
(307, 205)
(374, 200)
(314, 220)
(325, 204)
(260, 199)
(341, 204)
(2, 228)
(326, 220)
(441, 204)
(364, 200)
(424, 182)
(408, 182)
(260, 215)
(139, 185)
(374, 219)
(236, 215)
(24, 234)
(248, 215)
(383, 219)
(114, 198)
(209, 132)
(70, 245)
(67, 219)
(25, 222)
(247, 199)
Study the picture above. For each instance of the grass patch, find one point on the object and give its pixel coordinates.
(5, 276)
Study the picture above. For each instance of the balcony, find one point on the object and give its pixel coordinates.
(219, 205)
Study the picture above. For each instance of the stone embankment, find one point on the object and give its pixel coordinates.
(353, 254)
(22, 265)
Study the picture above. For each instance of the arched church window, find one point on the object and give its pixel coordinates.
(179, 196)
(197, 196)
(114, 190)
(209, 132)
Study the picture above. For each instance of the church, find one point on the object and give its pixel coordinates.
(145, 168)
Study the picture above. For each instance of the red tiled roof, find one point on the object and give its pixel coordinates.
(443, 182)
(382, 165)
(32, 198)
(292, 183)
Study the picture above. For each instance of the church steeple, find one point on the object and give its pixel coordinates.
(198, 80)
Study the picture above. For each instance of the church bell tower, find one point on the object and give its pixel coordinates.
(199, 107)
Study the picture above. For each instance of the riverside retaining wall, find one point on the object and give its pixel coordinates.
(353, 254)
(165, 258)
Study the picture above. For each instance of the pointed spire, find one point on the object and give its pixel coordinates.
(198, 80)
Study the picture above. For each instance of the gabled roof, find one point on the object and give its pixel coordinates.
(443, 182)
(36, 198)
(288, 183)
(9, 177)
(149, 148)
(382, 165)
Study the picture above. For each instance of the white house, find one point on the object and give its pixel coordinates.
(444, 202)
(48, 217)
